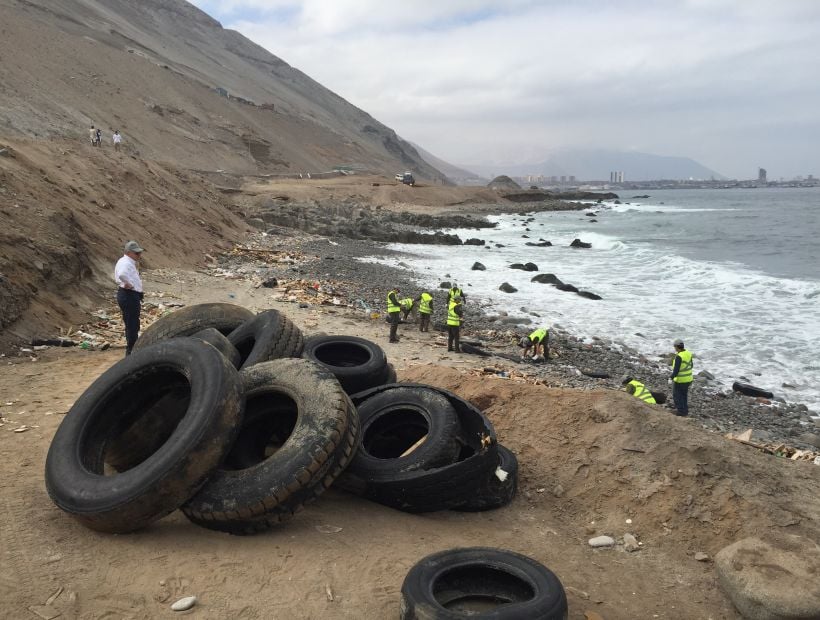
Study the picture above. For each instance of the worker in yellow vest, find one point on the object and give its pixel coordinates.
(425, 305)
(638, 390)
(682, 377)
(539, 341)
(455, 291)
(393, 313)
(455, 316)
(407, 306)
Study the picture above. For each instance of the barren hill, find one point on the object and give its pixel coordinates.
(179, 88)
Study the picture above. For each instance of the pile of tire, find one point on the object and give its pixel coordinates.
(237, 420)
(425, 449)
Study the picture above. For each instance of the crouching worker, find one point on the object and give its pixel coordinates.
(539, 341)
(638, 390)
(407, 306)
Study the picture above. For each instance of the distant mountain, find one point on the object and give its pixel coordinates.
(596, 165)
(457, 175)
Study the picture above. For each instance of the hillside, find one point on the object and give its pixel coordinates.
(180, 88)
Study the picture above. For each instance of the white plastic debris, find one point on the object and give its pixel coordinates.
(501, 474)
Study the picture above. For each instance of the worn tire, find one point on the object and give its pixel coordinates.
(268, 336)
(127, 501)
(393, 421)
(750, 390)
(319, 430)
(437, 488)
(357, 363)
(220, 342)
(495, 493)
(191, 319)
(506, 585)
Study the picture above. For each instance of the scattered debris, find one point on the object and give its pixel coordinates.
(184, 604)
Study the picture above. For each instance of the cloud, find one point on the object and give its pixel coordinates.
(470, 78)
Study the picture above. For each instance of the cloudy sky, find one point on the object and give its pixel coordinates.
(731, 83)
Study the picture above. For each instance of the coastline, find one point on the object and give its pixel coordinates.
(338, 267)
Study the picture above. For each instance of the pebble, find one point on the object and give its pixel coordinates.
(602, 541)
(631, 543)
(184, 604)
(700, 556)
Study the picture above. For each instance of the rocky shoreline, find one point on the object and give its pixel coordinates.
(338, 268)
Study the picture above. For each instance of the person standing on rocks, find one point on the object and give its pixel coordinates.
(425, 305)
(393, 313)
(455, 316)
(539, 340)
(682, 378)
(455, 291)
(638, 390)
(129, 292)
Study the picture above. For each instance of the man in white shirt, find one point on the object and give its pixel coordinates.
(129, 293)
(117, 138)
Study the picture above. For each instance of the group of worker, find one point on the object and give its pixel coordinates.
(681, 376)
(399, 308)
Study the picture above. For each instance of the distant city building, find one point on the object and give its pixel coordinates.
(616, 177)
(811, 177)
(563, 179)
(572, 179)
(761, 175)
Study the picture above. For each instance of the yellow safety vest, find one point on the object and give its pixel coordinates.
(391, 307)
(424, 303)
(454, 292)
(540, 334)
(685, 373)
(452, 317)
(642, 393)
(406, 303)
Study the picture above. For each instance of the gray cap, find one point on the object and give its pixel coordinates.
(678, 342)
(524, 342)
(133, 246)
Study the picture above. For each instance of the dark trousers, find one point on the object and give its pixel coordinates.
(453, 334)
(424, 322)
(680, 394)
(393, 317)
(129, 302)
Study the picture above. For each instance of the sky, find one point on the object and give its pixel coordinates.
(732, 84)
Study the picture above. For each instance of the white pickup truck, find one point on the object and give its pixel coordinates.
(406, 178)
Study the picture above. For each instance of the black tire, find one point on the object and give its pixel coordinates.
(219, 341)
(127, 501)
(481, 582)
(495, 493)
(268, 336)
(439, 488)
(191, 319)
(474, 350)
(357, 363)
(750, 390)
(395, 420)
(660, 397)
(315, 422)
(390, 376)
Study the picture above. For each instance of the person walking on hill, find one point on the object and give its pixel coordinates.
(129, 292)
(98, 137)
(455, 317)
(393, 312)
(539, 340)
(117, 139)
(682, 377)
(425, 305)
(92, 134)
(638, 390)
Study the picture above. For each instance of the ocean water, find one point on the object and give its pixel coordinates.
(734, 273)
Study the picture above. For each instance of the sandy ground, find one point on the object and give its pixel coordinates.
(589, 461)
